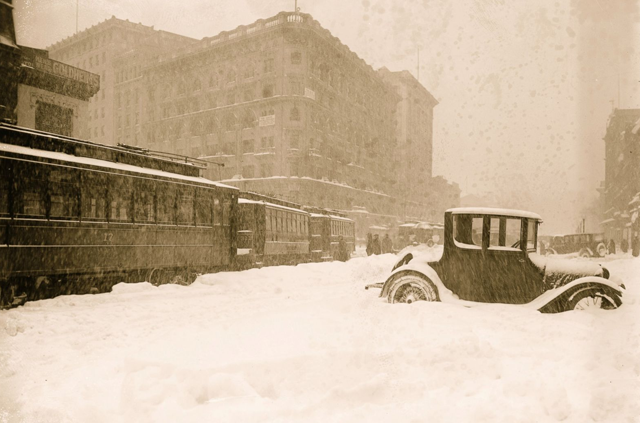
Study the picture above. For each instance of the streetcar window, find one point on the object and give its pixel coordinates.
(185, 205)
(145, 192)
(120, 195)
(94, 196)
(166, 203)
(63, 193)
(268, 221)
(274, 226)
(217, 212)
(226, 212)
(31, 191)
(203, 207)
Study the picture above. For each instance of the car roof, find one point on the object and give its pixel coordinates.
(495, 212)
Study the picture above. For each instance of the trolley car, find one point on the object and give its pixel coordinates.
(77, 217)
(271, 234)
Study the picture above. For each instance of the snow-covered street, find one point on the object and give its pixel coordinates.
(309, 343)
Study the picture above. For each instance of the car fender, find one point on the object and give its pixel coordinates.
(552, 295)
(416, 266)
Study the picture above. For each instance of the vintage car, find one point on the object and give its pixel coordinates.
(489, 256)
(586, 245)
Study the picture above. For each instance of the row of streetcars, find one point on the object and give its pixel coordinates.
(273, 232)
(78, 217)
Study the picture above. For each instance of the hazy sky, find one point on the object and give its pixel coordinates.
(525, 87)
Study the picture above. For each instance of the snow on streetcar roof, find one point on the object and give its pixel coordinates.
(64, 157)
(266, 203)
(495, 212)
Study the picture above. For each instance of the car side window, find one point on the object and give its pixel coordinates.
(505, 233)
(531, 235)
(467, 231)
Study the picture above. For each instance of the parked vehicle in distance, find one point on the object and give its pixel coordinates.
(586, 245)
(412, 233)
(489, 256)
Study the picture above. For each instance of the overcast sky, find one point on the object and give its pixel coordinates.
(525, 88)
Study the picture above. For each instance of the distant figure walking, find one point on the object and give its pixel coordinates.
(624, 245)
(369, 244)
(387, 244)
(611, 247)
(343, 254)
(375, 245)
(543, 248)
(635, 246)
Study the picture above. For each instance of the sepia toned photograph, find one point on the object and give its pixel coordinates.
(319, 211)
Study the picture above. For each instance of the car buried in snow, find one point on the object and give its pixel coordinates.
(489, 256)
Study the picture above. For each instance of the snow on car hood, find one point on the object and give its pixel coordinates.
(559, 272)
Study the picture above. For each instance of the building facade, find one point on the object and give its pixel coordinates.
(621, 191)
(40, 93)
(100, 50)
(280, 107)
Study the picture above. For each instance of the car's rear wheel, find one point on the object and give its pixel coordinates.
(411, 288)
(550, 252)
(594, 299)
(584, 253)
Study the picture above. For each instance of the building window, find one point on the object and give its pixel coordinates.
(197, 85)
(268, 65)
(247, 146)
(295, 114)
(294, 139)
(248, 95)
(249, 72)
(231, 76)
(231, 98)
(267, 91)
(296, 58)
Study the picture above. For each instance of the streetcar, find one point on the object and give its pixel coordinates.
(78, 217)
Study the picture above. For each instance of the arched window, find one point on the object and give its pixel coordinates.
(197, 85)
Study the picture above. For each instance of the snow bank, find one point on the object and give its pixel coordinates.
(309, 344)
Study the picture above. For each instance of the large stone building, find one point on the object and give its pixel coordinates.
(40, 93)
(279, 107)
(621, 191)
(117, 51)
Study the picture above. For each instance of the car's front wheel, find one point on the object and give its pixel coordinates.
(411, 288)
(594, 299)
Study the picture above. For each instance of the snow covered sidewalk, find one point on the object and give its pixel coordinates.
(307, 344)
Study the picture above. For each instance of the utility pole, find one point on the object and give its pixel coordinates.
(77, 5)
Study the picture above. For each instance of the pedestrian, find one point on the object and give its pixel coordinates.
(635, 246)
(387, 244)
(624, 245)
(611, 247)
(375, 245)
(543, 248)
(343, 254)
(369, 244)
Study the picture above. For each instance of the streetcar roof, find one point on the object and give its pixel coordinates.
(272, 205)
(26, 151)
